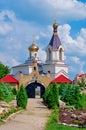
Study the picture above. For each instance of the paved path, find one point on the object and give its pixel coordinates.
(34, 118)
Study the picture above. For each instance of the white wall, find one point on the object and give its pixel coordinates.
(24, 69)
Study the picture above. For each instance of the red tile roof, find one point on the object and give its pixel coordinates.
(61, 79)
(81, 75)
(9, 79)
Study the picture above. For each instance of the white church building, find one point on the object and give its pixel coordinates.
(54, 64)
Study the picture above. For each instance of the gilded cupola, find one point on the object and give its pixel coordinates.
(33, 48)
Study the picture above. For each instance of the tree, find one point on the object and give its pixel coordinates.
(82, 83)
(51, 95)
(14, 91)
(22, 97)
(71, 95)
(6, 92)
(1, 95)
(4, 70)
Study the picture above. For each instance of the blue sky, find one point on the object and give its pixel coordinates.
(20, 20)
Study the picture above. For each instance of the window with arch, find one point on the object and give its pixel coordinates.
(49, 51)
(60, 54)
(34, 68)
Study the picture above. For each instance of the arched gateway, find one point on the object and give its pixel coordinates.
(35, 90)
(34, 85)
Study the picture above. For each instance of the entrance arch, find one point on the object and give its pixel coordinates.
(35, 88)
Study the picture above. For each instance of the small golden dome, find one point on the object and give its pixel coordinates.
(33, 47)
(55, 25)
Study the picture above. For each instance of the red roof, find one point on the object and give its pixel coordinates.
(9, 79)
(61, 79)
(81, 75)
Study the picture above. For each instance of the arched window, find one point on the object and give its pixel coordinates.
(34, 68)
(49, 54)
(60, 54)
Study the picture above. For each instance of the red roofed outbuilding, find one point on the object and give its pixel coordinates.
(61, 79)
(11, 80)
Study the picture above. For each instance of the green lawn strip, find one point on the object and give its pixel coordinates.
(52, 123)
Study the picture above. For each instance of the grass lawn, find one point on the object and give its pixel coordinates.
(53, 125)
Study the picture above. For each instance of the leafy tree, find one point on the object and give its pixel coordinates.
(14, 91)
(62, 89)
(22, 97)
(71, 95)
(4, 70)
(1, 95)
(6, 90)
(51, 95)
(82, 83)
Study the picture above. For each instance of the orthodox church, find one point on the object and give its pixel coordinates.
(34, 74)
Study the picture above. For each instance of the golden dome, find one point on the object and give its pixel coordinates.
(55, 25)
(33, 47)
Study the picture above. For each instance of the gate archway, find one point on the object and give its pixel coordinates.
(35, 88)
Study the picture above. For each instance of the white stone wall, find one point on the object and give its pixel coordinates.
(24, 69)
(49, 67)
(59, 68)
(56, 70)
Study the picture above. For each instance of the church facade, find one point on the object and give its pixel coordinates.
(34, 74)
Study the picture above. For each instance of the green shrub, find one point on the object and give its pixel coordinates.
(6, 90)
(71, 95)
(1, 95)
(14, 91)
(22, 97)
(83, 101)
(4, 70)
(51, 95)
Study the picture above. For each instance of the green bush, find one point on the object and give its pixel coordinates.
(4, 70)
(51, 95)
(83, 101)
(14, 91)
(1, 95)
(71, 95)
(6, 92)
(22, 97)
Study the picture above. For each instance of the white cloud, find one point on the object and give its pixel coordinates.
(78, 66)
(65, 9)
(18, 37)
(8, 60)
(6, 13)
(76, 59)
(71, 45)
(42, 55)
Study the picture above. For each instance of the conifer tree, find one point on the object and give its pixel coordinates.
(22, 97)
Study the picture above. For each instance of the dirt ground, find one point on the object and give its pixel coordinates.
(33, 118)
(65, 116)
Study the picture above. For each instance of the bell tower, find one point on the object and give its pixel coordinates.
(55, 62)
(55, 50)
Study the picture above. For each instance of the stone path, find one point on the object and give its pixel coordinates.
(34, 118)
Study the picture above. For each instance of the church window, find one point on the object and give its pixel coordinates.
(34, 68)
(60, 54)
(49, 54)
